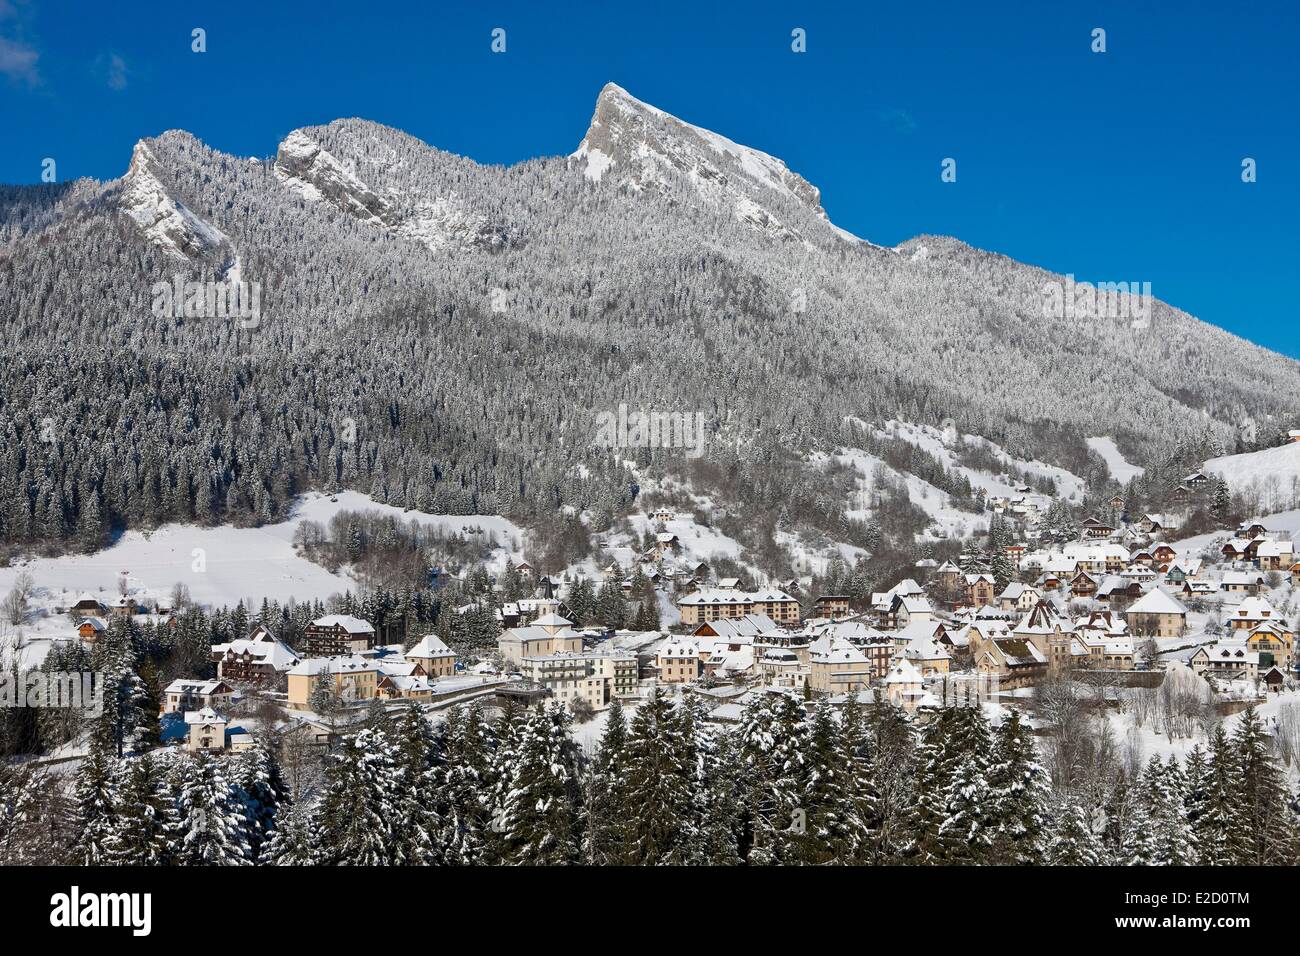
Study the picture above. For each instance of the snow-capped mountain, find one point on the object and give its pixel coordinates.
(164, 221)
(443, 335)
(634, 144)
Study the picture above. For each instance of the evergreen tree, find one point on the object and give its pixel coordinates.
(359, 807)
(146, 824)
(296, 839)
(95, 808)
(1070, 839)
(604, 841)
(539, 820)
(1018, 795)
(1267, 834)
(213, 827)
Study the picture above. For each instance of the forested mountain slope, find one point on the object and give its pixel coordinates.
(441, 334)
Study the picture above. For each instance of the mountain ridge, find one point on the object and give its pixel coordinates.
(472, 320)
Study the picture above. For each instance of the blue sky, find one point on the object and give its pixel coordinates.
(1118, 166)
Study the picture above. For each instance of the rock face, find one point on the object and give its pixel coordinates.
(637, 145)
(164, 221)
(312, 172)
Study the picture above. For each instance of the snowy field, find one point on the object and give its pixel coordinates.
(1273, 474)
(1119, 467)
(221, 565)
(931, 439)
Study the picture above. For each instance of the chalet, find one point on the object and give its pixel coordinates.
(1156, 524)
(666, 544)
(1181, 493)
(1117, 503)
(91, 628)
(1274, 641)
(1018, 597)
(1083, 585)
(1182, 570)
(1241, 582)
(663, 514)
(1226, 660)
(1015, 662)
(927, 653)
(1274, 680)
(207, 730)
(1016, 550)
(1164, 555)
(337, 634)
(1198, 588)
(259, 658)
(1275, 555)
(123, 607)
(526, 571)
(1196, 480)
(1143, 557)
(1095, 528)
(1118, 592)
(904, 611)
(434, 656)
(728, 584)
(831, 605)
(89, 606)
(980, 589)
(904, 686)
(1250, 612)
(1251, 530)
(1236, 549)
(182, 695)
(1157, 614)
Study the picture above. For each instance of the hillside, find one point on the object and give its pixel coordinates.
(442, 335)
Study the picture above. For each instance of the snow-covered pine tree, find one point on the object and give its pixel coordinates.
(1267, 824)
(835, 832)
(540, 815)
(464, 791)
(1164, 789)
(1219, 829)
(261, 791)
(658, 825)
(145, 827)
(1070, 840)
(966, 832)
(213, 828)
(418, 829)
(603, 839)
(296, 839)
(95, 800)
(1018, 794)
(359, 806)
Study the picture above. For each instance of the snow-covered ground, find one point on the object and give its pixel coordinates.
(1273, 474)
(942, 446)
(1120, 468)
(953, 522)
(220, 566)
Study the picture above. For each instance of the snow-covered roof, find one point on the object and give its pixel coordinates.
(1157, 601)
(431, 645)
(353, 625)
